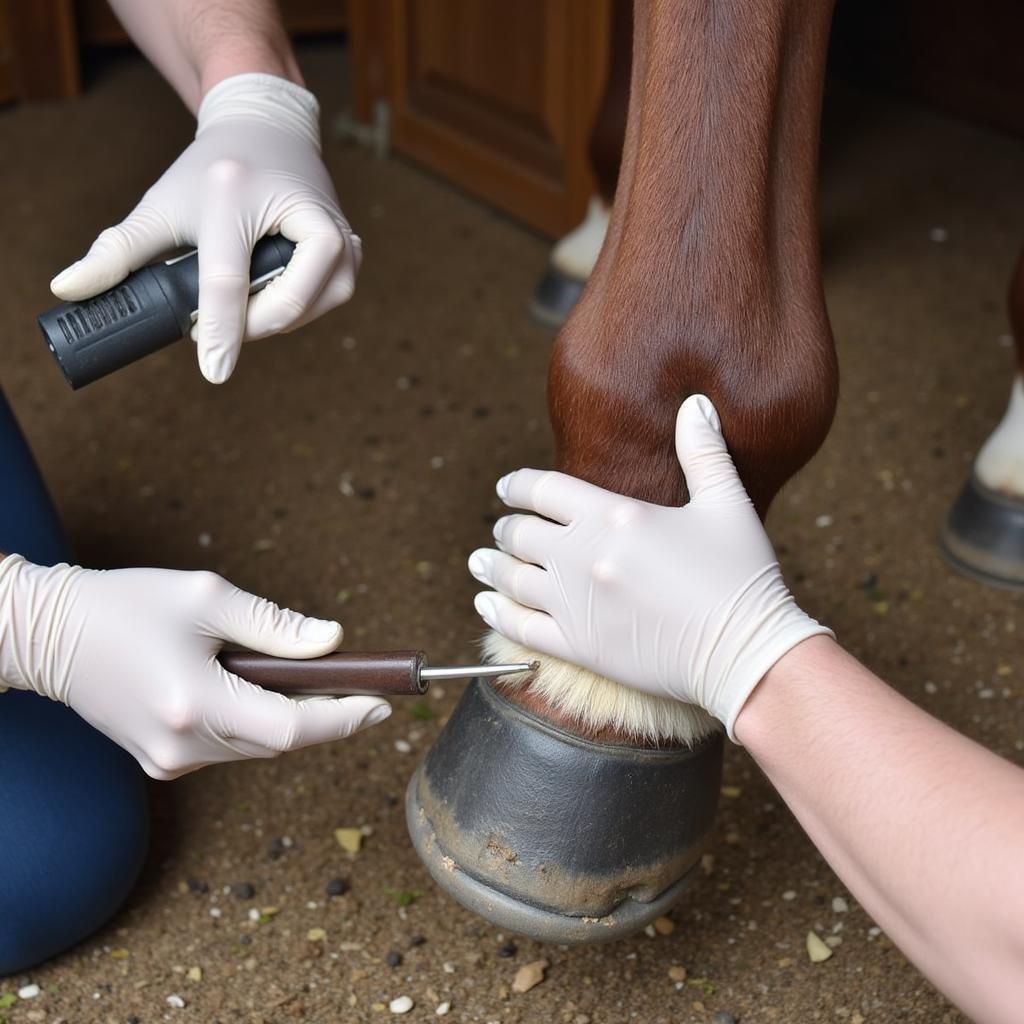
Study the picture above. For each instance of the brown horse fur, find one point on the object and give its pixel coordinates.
(709, 281)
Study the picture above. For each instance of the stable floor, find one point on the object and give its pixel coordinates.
(347, 471)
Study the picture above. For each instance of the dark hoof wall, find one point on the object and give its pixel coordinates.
(984, 536)
(555, 295)
(557, 837)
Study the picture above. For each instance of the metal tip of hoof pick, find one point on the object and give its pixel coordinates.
(478, 671)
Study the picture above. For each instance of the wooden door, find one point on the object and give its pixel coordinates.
(496, 97)
(38, 50)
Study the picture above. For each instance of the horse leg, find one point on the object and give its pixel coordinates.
(565, 805)
(573, 257)
(984, 534)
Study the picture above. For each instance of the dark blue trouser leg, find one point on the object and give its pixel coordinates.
(73, 820)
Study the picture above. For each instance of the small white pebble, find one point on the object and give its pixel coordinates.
(443, 1008)
(403, 746)
(874, 931)
(176, 1001)
(789, 895)
(822, 521)
(930, 687)
(839, 905)
(312, 905)
(938, 234)
(403, 1004)
(28, 991)
(437, 462)
(986, 694)
(832, 941)
(366, 830)
(254, 914)
(650, 932)
(449, 968)
(215, 911)
(204, 540)
(287, 842)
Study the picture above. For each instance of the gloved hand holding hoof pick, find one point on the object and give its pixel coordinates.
(690, 603)
(134, 652)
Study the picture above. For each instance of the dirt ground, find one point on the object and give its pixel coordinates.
(347, 471)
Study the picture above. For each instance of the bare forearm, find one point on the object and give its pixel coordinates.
(924, 826)
(197, 43)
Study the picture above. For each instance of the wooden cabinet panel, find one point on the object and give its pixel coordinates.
(499, 98)
(8, 88)
(40, 58)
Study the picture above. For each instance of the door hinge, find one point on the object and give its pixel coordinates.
(376, 135)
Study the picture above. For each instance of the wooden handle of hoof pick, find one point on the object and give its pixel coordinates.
(342, 674)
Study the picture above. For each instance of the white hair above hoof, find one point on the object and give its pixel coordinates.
(597, 702)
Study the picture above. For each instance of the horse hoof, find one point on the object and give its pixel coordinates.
(551, 835)
(984, 536)
(555, 295)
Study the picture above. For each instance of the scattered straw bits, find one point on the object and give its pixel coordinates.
(349, 839)
(529, 976)
(817, 951)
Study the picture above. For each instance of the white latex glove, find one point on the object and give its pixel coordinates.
(254, 169)
(681, 602)
(133, 651)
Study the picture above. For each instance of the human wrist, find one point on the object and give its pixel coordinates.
(252, 57)
(259, 96)
(34, 602)
(765, 624)
(786, 688)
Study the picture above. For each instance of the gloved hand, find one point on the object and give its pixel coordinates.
(133, 651)
(682, 602)
(253, 169)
